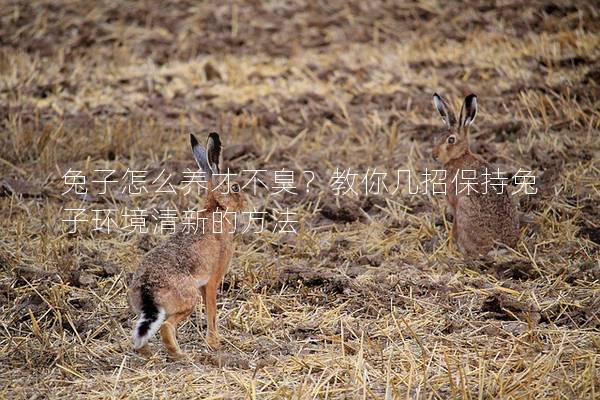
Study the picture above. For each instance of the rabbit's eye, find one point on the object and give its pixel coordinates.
(235, 188)
(451, 139)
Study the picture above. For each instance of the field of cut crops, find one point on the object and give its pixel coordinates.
(344, 292)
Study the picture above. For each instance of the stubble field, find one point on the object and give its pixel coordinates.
(369, 299)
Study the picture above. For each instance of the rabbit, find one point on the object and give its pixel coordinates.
(484, 218)
(166, 286)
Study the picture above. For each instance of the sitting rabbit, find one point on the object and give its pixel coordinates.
(171, 277)
(482, 218)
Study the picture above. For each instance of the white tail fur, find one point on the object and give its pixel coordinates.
(140, 340)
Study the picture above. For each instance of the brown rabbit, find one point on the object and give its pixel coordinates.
(170, 278)
(482, 218)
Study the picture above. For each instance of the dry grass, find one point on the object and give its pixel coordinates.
(369, 300)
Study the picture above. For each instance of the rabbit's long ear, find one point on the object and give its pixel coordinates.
(445, 111)
(468, 110)
(200, 155)
(213, 147)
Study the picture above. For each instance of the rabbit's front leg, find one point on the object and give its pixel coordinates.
(209, 295)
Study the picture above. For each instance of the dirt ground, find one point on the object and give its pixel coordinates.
(369, 299)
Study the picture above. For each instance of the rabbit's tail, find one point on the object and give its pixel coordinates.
(150, 320)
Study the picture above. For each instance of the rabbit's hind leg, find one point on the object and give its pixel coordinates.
(168, 334)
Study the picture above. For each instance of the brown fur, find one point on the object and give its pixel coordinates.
(481, 221)
(187, 266)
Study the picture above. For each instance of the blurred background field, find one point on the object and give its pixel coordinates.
(369, 299)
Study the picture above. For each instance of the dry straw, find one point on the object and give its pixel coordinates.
(370, 299)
